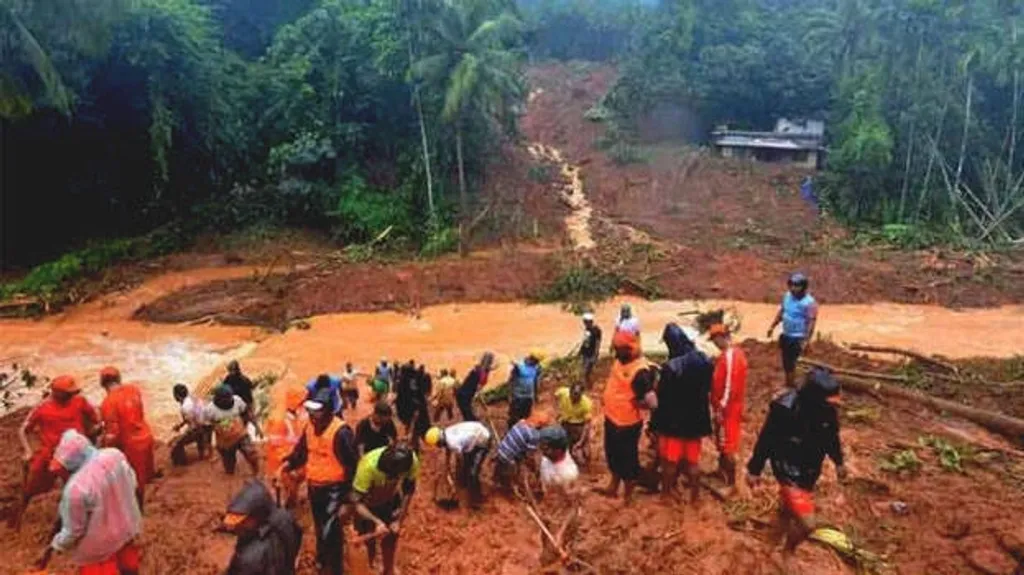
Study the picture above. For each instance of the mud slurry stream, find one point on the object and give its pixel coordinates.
(577, 223)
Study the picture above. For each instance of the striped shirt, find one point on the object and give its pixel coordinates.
(518, 442)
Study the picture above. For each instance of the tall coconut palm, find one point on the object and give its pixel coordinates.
(471, 59)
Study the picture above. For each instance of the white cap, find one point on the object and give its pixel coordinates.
(588, 317)
(313, 405)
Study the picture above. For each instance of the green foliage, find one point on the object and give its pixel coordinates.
(624, 153)
(440, 240)
(363, 213)
(540, 173)
(580, 285)
(903, 462)
(950, 457)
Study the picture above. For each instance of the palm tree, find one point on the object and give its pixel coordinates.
(472, 61)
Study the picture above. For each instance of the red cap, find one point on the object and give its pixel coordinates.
(110, 373)
(65, 383)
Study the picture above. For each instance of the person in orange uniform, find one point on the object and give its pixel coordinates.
(282, 434)
(125, 427)
(327, 450)
(628, 393)
(728, 396)
(64, 409)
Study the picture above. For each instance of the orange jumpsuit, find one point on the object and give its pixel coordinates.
(728, 392)
(126, 429)
(283, 431)
(51, 420)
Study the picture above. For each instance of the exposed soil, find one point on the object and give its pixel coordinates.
(952, 519)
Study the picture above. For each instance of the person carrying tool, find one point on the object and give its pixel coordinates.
(802, 427)
(443, 397)
(798, 315)
(125, 427)
(229, 417)
(197, 428)
(377, 429)
(350, 386)
(327, 450)
(728, 400)
(469, 441)
(517, 448)
(382, 379)
(383, 488)
(283, 433)
(682, 419)
(99, 510)
(574, 412)
(590, 348)
(64, 409)
(475, 380)
(627, 394)
(268, 537)
(524, 384)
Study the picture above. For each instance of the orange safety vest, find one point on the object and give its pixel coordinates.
(619, 400)
(322, 465)
(281, 434)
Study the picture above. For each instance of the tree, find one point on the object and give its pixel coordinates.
(472, 61)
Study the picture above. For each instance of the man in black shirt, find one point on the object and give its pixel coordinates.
(268, 537)
(240, 384)
(590, 348)
(802, 427)
(376, 430)
(475, 380)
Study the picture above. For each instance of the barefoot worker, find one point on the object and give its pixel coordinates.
(469, 441)
(523, 385)
(517, 449)
(99, 511)
(627, 394)
(798, 315)
(682, 419)
(574, 413)
(327, 451)
(381, 492)
(590, 348)
(64, 409)
(802, 427)
(197, 428)
(268, 536)
(728, 400)
(125, 427)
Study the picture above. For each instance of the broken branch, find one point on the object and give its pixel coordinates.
(855, 372)
(907, 353)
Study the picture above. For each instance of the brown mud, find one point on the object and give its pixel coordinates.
(951, 519)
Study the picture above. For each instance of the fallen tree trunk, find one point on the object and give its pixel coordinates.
(855, 372)
(1010, 427)
(906, 353)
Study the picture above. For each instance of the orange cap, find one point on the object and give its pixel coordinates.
(65, 383)
(717, 329)
(540, 418)
(233, 520)
(110, 372)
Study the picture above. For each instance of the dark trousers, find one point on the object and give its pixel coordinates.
(790, 347)
(519, 408)
(472, 462)
(622, 449)
(325, 501)
(201, 436)
(465, 404)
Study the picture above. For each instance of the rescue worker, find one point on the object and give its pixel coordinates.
(240, 384)
(268, 537)
(350, 387)
(798, 315)
(404, 387)
(333, 384)
(327, 450)
(802, 427)
(524, 384)
(443, 398)
(382, 379)
(627, 394)
(383, 488)
(728, 400)
(627, 321)
(469, 441)
(125, 427)
(377, 429)
(590, 348)
(517, 447)
(284, 429)
(574, 412)
(99, 510)
(64, 409)
(229, 417)
(193, 417)
(682, 418)
(475, 380)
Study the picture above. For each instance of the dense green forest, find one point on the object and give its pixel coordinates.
(120, 117)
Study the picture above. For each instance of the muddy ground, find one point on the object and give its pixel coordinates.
(955, 522)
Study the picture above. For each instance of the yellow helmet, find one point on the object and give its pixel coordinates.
(433, 436)
(537, 353)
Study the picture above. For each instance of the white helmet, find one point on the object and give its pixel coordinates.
(588, 317)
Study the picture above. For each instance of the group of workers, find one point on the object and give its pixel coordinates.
(367, 475)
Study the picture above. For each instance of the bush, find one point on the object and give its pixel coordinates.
(363, 213)
(440, 240)
(540, 174)
(581, 285)
(624, 153)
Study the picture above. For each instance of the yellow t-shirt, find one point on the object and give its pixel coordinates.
(569, 412)
(373, 485)
(445, 392)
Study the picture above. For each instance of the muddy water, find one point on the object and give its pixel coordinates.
(84, 339)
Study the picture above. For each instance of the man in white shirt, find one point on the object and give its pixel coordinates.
(627, 321)
(229, 416)
(198, 429)
(469, 441)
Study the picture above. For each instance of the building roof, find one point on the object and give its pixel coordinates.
(766, 140)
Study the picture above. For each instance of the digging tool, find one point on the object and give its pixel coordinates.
(450, 502)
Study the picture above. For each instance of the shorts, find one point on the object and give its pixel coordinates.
(728, 434)
(230, 456)
(622, 450)
(386, 512)
(676, 449)
(791, 348)
(39, 478)
(127, 560)
(796, 501)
